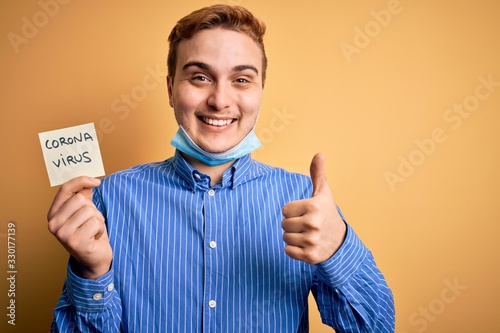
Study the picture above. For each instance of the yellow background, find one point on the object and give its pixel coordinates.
(436, 225)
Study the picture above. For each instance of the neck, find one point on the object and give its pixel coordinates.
(214, 172)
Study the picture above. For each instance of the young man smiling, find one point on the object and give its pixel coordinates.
(210, 240)
(216, 91)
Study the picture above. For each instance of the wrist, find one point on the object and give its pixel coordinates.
(86, 272)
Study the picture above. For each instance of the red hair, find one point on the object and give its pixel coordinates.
(234, 18)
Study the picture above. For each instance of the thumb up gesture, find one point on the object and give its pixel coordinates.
(314, 230)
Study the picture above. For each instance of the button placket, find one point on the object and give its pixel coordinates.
(212, 207)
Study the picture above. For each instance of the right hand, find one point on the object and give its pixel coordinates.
(79, 226)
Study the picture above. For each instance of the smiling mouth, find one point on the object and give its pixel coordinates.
(216, 122)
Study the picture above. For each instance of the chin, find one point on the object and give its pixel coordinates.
(217, 148)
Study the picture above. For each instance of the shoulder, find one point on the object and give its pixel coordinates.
(153, 171)
(280, 173)
(289, 181)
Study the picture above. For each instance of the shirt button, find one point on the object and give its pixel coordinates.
(197, 176)
(111, 286)
(97, 296)
(211, 192)
(212, 304)
(213, 244)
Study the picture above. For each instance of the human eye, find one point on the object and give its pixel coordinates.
(200, 78)
(242, 80)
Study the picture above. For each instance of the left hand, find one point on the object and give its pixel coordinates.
(314, 230)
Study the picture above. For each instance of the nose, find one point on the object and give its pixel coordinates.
(220, 97)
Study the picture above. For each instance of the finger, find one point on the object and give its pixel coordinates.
(318, 176)
(83, 215)
(79, 241)
(68, 209)
(87, 192)
(295, 208)
(294, 252)
(69, 189)
(293, 224)
(294, 239)
(88, 244)
(72, 216)
(92, 229)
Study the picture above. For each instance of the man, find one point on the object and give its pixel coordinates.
(211, 240)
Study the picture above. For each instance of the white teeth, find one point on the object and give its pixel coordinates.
(217, 122)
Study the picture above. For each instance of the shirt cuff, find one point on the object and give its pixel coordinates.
(345, 262)
(89, 295)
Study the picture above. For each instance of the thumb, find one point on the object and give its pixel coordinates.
(318, 176)
(87, 185)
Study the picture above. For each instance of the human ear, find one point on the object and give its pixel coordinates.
(170, 91)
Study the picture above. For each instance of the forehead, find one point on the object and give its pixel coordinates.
(219, 48)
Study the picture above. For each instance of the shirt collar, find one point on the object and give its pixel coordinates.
(244, 169)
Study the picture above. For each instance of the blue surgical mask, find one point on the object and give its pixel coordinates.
(184, 143)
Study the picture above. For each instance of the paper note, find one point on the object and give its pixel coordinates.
(71, 152)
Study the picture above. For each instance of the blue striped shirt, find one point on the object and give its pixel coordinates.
(191, 257)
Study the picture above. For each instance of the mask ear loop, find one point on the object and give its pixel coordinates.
(256, 120)
(170, 88)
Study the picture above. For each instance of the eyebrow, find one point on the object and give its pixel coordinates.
(205, 66)
(241, 68)
(198, 64)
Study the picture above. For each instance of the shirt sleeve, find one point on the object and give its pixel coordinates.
(351, 292)
(88, 305)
